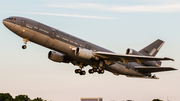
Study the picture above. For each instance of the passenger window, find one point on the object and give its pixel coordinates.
(57, 35)
(43, 28)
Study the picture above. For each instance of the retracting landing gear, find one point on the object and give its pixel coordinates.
(25, 42)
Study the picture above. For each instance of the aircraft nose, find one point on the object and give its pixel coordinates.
(5, 22)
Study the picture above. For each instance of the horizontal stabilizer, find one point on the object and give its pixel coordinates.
(150, 69)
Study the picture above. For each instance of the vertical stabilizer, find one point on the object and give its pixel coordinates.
(153, 48)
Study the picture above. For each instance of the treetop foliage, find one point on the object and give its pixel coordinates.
(8, 97)
(157, 100)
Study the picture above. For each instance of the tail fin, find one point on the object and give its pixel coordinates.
(153, 48)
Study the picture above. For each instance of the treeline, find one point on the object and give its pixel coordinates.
(157, 100)
(8, 97)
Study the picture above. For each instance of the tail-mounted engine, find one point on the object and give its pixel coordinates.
(132, 52)
(148, 63)
(55, 56)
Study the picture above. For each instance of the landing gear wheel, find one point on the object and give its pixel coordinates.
(101, 71)
(82, 73)
(91, 71)
(24, 47)
(77, 71)
(96, 69)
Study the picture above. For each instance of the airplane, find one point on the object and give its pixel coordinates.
(67, 48)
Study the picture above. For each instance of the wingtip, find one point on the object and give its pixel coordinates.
(169, 59)
(172, 59)
(160, 40)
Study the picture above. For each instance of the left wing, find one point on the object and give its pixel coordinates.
(128, 58)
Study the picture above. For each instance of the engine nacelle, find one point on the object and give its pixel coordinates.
(132, 52)
(55, 56)
(84, 53)
(148, 63)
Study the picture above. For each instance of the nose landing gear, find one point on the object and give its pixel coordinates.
(24, 47)
(25, 42)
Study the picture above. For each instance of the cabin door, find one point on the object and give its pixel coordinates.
(22, 23)
(52, 34)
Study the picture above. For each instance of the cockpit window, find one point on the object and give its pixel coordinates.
(11, 18)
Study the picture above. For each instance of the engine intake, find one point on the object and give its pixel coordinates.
(55, 56)
(132, 52)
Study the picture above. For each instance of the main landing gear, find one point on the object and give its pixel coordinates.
(91, 71)
(25, 42)
(99, 71)
(81, 72)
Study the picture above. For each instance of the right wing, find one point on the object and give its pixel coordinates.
(128, 58)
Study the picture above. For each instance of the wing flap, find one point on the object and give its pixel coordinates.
(150, 69)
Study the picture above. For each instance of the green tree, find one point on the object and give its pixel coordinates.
(5, 97)
(157, 100)
(22, 98)
(37, 99)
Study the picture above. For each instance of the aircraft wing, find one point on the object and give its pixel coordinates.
(128, 58)
(150, 69)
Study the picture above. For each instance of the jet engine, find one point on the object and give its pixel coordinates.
(55, 56)
(84, 53)
(132, 52)
(148, 63)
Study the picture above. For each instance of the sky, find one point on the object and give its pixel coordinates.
(112, 24)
